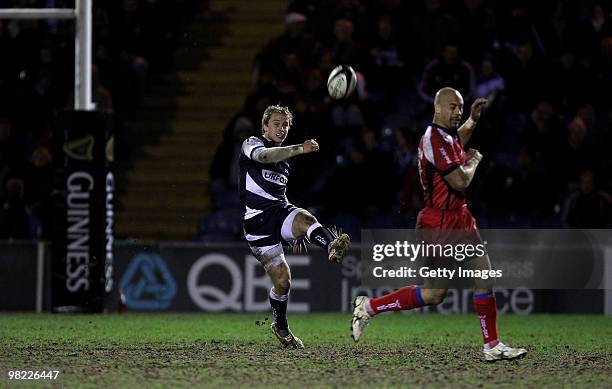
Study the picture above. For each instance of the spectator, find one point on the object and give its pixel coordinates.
(319, 15)
(100, 95)
(589, 30)
(477, 23)
(540, 129)
(14, 222)
(410, 197)
(294, 47)
(36, 78)
(354, 11)
(224, 169)
(349, 179)
(380, 173)
(447, 71)
(588, 206)
(8, 157)
(386, 73)
(602, 72)
(345, 50)
(527, 80)
(489, 83)
(38, 188)
(432, 30)
(577, 82)
(573, 154)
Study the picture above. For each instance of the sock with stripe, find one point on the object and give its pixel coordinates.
(408, 297)
(319, 235)
(485, 307)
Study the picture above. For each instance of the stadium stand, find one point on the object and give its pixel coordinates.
(544, 135)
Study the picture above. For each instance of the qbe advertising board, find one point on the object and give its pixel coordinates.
(227, 278)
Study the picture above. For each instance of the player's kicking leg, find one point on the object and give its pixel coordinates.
(408, 297)
(279, 273)
(335, 242)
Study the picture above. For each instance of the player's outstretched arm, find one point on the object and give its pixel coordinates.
(465, 131)
(277, 154)
(460, 178)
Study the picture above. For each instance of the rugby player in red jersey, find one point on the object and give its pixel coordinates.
(446, 170)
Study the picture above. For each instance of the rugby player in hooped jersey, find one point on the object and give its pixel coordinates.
(445, 172)
(270, 220)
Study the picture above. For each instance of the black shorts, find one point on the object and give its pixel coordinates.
(264, 232)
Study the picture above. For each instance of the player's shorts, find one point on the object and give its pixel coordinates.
(267, 232)
(439, 226)
(455, 227)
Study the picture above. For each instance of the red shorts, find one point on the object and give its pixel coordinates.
(451, 226)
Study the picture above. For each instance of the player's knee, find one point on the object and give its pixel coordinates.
(303, 221)
(434, 296)
(308, 219)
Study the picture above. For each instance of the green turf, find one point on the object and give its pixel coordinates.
(398, 350)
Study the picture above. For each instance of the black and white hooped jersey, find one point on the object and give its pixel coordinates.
(262, 185)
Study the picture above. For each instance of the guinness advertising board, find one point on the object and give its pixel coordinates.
(82, 264)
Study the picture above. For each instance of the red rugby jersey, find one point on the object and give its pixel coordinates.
(440, 153)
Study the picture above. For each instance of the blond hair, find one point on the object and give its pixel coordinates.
(275, 109)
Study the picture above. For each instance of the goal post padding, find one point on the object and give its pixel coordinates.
(83, 214)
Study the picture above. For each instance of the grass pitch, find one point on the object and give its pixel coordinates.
(238, 350)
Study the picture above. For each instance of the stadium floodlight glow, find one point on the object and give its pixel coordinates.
(82, 43)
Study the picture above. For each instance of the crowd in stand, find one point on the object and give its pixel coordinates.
(132, 41)
(545, 67)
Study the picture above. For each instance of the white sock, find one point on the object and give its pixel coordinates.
(278, 297)
(368, 308)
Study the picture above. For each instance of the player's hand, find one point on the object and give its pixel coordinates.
(310, 146)
(477, 107)
(473, 154)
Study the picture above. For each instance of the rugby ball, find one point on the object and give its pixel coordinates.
(341, 82)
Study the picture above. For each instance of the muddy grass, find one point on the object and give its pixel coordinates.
(236, 351)
(263, 364)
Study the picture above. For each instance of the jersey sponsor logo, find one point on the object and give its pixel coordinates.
(253, 141)
(449, 139)
(274, 177)
(250, 144)
(445, 155)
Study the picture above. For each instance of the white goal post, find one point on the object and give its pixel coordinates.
(82, 43)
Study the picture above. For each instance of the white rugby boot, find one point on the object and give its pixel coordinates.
(361, 317)
(289, 340)
(501, 351)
